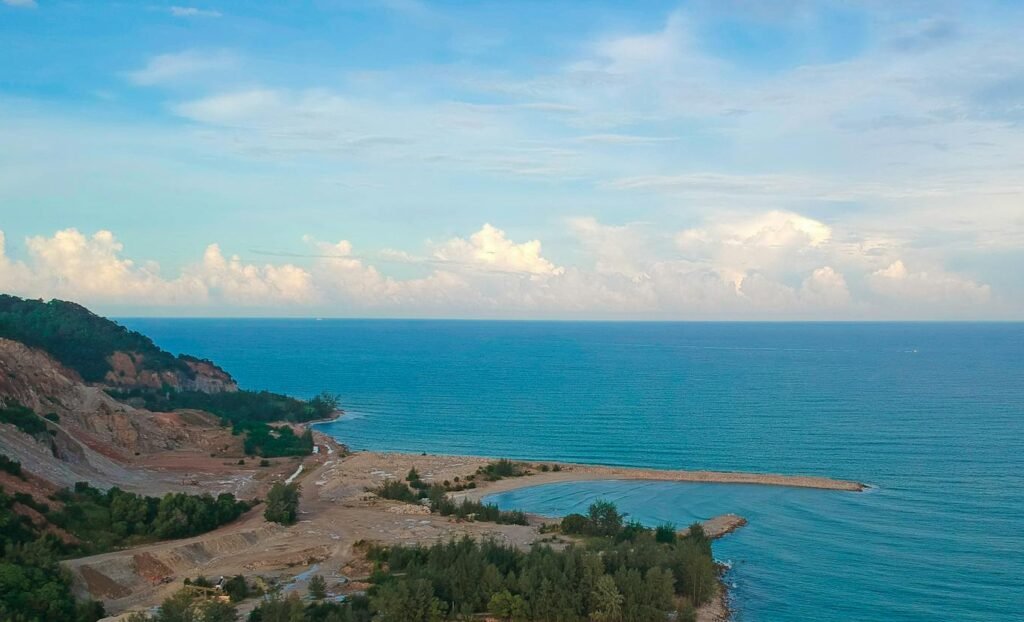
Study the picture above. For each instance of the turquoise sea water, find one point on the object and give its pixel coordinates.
(932, 415)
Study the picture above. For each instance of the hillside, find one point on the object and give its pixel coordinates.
(100, 351)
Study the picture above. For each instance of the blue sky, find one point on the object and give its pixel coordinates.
(657, 160)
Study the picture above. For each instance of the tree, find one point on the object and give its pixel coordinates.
(604, 518)
(575, 524)
(282, 504)
(606, 601)
(507, 606)
(665, 534)
(407, 601)
(237, 588)
(318, 587)
(277, 609)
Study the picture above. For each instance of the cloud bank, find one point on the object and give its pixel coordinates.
(775, 264)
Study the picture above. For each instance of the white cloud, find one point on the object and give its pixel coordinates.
(825, 288)
(169, 68)
(488, 274)
(490, 250)
(190, 11)
(935, 287)
(92, 269)
(25, 4)
(248, 284)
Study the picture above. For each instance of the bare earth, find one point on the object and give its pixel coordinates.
(336, 513)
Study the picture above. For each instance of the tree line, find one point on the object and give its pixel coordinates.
(34, 587)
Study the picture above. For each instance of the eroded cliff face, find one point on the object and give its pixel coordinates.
(92, 436)
(128, 372)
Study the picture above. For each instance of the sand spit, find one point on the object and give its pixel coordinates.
(587, 472)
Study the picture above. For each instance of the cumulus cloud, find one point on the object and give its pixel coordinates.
(249, 284)
(825, 288)
(92, 269)
(726, 268)
(909, 288)
(489, 249)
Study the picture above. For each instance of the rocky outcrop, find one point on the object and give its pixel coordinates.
(92, 436)
(129, 371)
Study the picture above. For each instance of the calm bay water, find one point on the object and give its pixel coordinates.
(932, 415)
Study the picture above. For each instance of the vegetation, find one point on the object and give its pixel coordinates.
(34, 588)
(249, 413)
(282, 504)
(23, 418)
(473, 510)
(441, 504)
(185, 606)
(236, 406)
(318, 587)
(11, 466)
(396, 491)
(84, 342)
(115, 518)
(603, 519)
(278, 609)
(78, 338)
(627, 576)
(274, 441)
(501, 469)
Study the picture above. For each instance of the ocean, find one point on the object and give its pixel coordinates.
(931, 415)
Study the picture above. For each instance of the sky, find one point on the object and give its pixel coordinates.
(706, 160)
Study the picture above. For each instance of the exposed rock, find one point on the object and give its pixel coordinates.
(94, 437)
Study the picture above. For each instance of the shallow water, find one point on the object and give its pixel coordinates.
(931, 414)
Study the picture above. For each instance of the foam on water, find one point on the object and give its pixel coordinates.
(932, 415)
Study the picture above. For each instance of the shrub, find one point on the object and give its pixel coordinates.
(666, 534)
(501, 469)
(23, 418)
(282, 504)
(396, 491)
(11, 466)
(574, 524)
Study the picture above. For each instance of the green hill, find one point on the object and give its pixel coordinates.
(80, 339)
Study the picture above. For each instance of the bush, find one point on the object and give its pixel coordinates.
(236, 588)
(11, 466)
(666, 534)
(396, 491)
(282, 504)
(473, 510)
(575, 524)
(501, 469)
(23, 418)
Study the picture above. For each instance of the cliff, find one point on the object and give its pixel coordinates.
(92, 436)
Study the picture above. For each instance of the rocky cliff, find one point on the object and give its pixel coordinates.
(94, 437)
